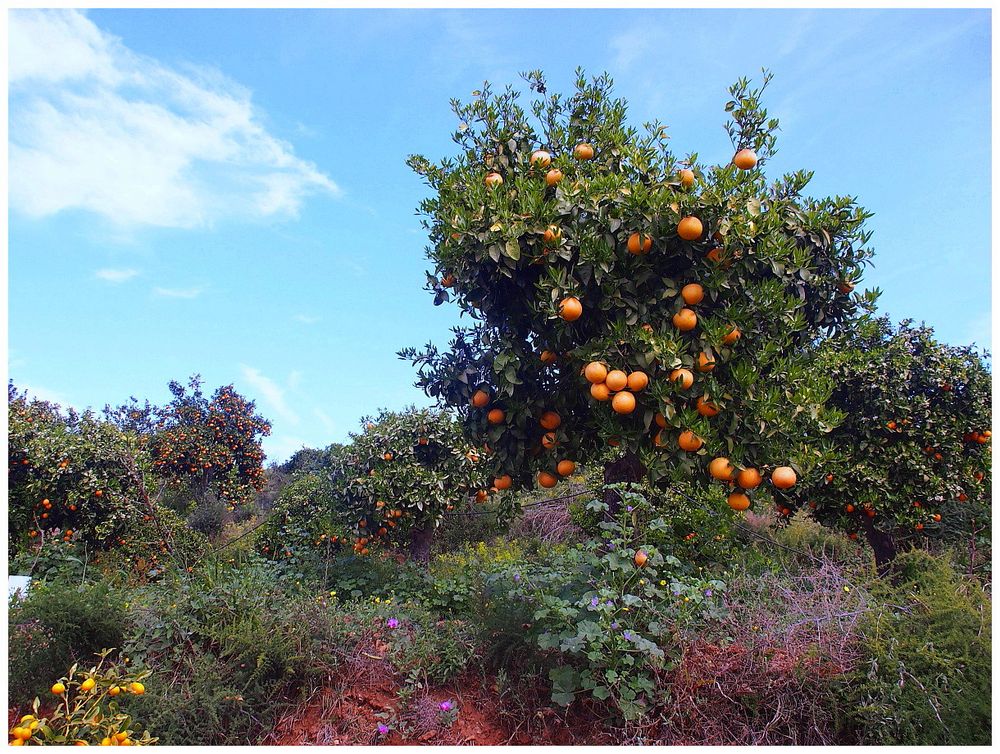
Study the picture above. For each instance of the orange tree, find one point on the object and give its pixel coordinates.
(211, 444)
(398, 477)
(625, 296)
(75, 478)
(914, 443)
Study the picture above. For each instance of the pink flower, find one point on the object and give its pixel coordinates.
(445, 706)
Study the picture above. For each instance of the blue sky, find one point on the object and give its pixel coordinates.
(224, 192)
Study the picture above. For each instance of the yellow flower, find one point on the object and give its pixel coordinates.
(847, 588)
(663, 583)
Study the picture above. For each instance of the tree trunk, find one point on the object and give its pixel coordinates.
(628, 468)
(882, 545)
(420, 542)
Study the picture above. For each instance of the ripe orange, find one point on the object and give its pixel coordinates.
(583, 151)
(640, 558)
(685, 320)
(550, 420)
(639, 243)
(540, 158)
(706, 363)
(748, 479)
(387, 456)
(705, 408)
(738, 501)
(481, 496)
(501, 482)
(692, 293)
(661, 420)
(448, 280)
(937, 518)
(616, 380)
(732, 336)
(565, 467)
(845, 287)
(689, 441)
(599, 391)
(549, 440)
(687, 177)
(684, 376)
(553, 177)
(552, 235)
(570, 309)
(690, 228)
(721, 469)
(545, 479)
(595, 372)
(637, 381)
(745, 159)
(783, 477)
(623, 403)
(548, 357)
(57, 689)
(919, 527)
(496, 416)
(493, 180)
(715, 255)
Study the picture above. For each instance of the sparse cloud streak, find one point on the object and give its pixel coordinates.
(115, 276)
(187, 293)
(271, 392)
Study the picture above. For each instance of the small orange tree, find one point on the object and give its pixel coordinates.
(78, 481)
(915, 437)
(212, 444)
(399, 476)
(629, 297)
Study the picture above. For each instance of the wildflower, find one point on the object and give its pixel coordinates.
(594, 602)
(708, 592)
(614, 625)
(642, 582)
(383, 729)
(392, 623)
(663, 583)
(627, 635)
(628, 508)
(847, 588)
(517, 577)
(445, 706)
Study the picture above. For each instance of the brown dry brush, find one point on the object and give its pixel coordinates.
(790, 638)
(548, 521)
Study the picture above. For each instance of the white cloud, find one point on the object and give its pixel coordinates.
(325, 420)
(97, 127)
(271, 392)
(178, 292)
(306, 319)
(115, 276)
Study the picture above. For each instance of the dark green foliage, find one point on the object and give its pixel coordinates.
(56, 625)
(208, 517)
(926, 674)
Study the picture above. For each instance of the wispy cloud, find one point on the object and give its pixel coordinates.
(325, 420)
(306, 319)
(45, 394)
(279, 448)
(95, 126)
(178, 292)
(115, 276)
(271, 392)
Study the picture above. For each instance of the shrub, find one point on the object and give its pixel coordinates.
(926, 673)
(208, 517)
(88, 712)
(55, 626)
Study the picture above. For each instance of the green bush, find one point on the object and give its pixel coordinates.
(208, 517)
(55, 626)
(925, 679)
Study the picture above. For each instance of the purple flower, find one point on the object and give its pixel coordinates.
(383, 729)
(628, 508)
(627, 635)
(614, 625)
(445, 706)
(392, 623)
(517, 577)
(594, 602)
(677, 592)
(708, 592)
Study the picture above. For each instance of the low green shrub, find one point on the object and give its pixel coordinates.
(925, 679)
(208, 517)
(55, 626)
